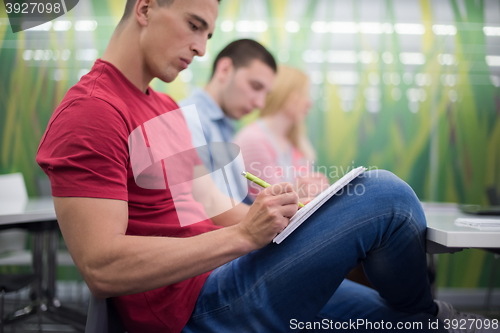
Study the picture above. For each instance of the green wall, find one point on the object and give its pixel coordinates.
(420, 100)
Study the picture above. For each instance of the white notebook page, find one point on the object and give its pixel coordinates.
(303, 213)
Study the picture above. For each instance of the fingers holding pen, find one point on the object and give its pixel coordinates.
(270, 213)
(283, 196)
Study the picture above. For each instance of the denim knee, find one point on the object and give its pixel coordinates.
(391, 191)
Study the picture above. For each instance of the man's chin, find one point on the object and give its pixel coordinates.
(169, 77)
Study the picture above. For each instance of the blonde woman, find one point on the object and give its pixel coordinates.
(275, 147)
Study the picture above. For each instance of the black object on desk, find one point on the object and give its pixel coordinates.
(480, 210)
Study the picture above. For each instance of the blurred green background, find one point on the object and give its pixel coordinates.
(411, 86)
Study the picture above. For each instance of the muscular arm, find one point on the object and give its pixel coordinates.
(214, 201)
(113, 263)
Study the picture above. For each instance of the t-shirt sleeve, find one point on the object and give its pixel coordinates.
(84, 151)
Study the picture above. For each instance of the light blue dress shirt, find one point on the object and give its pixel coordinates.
(213, 140)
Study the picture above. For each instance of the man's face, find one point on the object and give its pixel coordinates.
(175, 34)
(246, 89)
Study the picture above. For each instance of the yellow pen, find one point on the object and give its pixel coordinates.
(259, 181)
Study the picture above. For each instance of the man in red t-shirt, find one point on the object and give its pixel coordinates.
(101, 209)
(122, 169)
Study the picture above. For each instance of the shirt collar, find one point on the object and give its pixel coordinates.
(213, 110)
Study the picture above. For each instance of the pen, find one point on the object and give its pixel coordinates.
(259, 181)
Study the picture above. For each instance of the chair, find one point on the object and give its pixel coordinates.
(102, 317)
(13, 198)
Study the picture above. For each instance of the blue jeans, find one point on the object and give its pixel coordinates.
(378, 221)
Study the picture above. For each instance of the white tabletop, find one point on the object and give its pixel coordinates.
(441, 228)
(34, 210)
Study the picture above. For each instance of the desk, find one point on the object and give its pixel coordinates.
(443, 236)
(39, 217)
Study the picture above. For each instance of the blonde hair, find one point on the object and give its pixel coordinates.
(289, 81)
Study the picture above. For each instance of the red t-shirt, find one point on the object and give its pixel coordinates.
(85, 151)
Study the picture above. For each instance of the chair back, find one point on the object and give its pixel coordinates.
(13, 199)
(102, 317)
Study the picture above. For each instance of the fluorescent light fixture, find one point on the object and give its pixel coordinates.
(243, 26)
(375, 28)
(248, 26)
(316, 77)
(387, 57)
(292, 26)
(227, 26)
(371, 28)
(42, 27)
(27, 54)
(85, 25)
(65, 54)
(493, 61)
(491, 31)
(448, 80)
(447, 59)
(259, 26)
(341, 57)
(413, 94)
(61, 25)
(423, 79)
(38, 55)
(411, 58)
(391, 78)
(368, 57)
(442, 29)
(320, 27)
(47, 54)
(343, 77)
(86, 54)
(409, 29)
(343, 27)
(311, 56)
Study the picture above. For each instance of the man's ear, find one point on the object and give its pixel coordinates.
(223, 69)
(142, 10)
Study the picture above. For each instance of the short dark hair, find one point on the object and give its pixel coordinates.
(129, 7)
(243, 51)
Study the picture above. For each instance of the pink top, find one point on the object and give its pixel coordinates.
(264, 159)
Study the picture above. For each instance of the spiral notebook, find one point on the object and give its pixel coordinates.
(304, 213)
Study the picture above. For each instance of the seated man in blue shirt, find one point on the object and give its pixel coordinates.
(242, 76)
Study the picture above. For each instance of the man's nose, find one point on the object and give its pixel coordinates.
(200, 47)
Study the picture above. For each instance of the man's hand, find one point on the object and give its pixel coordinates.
(269, 214)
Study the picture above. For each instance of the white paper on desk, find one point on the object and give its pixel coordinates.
(303, 213)
(482, 224)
